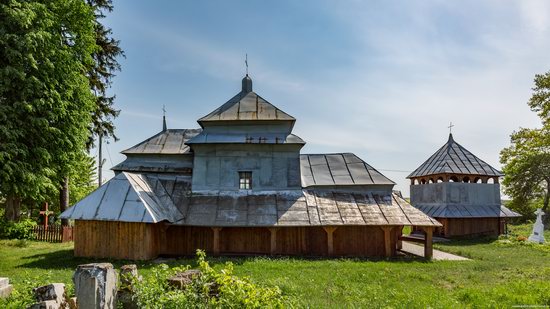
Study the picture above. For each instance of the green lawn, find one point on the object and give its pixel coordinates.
(503, 273)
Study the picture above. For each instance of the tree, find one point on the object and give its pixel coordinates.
(100, 73)
(45, 99)
(527, 160)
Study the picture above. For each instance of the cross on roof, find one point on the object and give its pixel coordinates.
(163, 110)
(451, 125)
(246, 63)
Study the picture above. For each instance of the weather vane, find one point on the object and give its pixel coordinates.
(451, 125)
(246, 63)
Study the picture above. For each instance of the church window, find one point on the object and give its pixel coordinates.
(245, 180)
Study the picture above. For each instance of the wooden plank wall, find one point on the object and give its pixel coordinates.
(471, 227)
(120, 240)
(185, 240)
(139, 241)
(361, 241)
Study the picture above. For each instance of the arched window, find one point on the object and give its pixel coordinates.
(440, 179)
(431, 180)
(466, 179)
(477, 180)
(491, 180)
(453, 179)
(423, 181)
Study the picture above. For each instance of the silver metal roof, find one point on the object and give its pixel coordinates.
(271, 138)
(171, 141)
(452, 158)
(246, 105)
(339, 169)
(467, 211)
(153, 198)
(129, 198)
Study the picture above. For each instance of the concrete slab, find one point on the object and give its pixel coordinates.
(437, 255)
(5, 291)
(4, 282)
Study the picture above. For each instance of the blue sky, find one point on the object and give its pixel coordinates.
(381, 79)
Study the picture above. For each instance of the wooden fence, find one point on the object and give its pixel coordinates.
(53, 233)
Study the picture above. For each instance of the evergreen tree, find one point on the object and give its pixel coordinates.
(45, 101)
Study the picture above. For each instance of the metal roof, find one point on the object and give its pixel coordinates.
(452, 158)
(339, 169)
(267, 138)
(129, 198)
(153, 198)
(246, 105)
(171, 141)
(467, 211)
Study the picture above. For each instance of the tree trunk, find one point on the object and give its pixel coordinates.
(546, 217)
(13, 208)
(64, 198)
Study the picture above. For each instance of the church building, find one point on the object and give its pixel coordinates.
(239, 185)
(461, 191)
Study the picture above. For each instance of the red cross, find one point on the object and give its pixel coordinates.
(46, 213)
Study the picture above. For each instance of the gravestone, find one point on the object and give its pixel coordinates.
(51, 296)
(5, 287)
(95, 286)
(538, 229)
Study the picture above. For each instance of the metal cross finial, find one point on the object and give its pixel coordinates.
(246, 63)
(163, 110)
(451, 125)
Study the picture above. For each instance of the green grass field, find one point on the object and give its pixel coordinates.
(503, 273)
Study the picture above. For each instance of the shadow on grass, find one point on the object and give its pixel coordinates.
(64, 259)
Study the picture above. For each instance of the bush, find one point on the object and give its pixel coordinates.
(213, 289)
(17, 230)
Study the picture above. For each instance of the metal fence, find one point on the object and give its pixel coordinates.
(53, 233)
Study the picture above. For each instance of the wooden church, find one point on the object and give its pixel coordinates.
(239, 185)
(461, 191)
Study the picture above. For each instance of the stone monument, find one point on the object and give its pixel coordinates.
(538, 230)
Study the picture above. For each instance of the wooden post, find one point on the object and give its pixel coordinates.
(330, 239)
(387, 240)
(399, 241)
(273, 247)
(428, 242)
(216, 244)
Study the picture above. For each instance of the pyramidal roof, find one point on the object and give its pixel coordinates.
(246, 105)
(452, 158)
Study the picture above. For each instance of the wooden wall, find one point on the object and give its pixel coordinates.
(120, 240)
(469, 227)
(139, 241)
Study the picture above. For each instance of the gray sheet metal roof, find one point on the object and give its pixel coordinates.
(302, 208)
(467, 211)
(242, 138)
(127, 197)
(339, 169)
(246, 105)
(153, 198)
(452, 158)
(171, 141)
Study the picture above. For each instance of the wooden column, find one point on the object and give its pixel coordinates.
(273, 247)
(399, 234)
(428, 242)
(216, 243)
(330, 239)
(387, 240)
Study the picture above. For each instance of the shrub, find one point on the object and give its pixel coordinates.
(17, 230)
(213, 289)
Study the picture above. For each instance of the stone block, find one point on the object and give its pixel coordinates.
(4, 282)
(6, 290)
(95, 286)
(180, 280)
(54, 291)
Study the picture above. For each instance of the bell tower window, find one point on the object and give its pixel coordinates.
(245, 180)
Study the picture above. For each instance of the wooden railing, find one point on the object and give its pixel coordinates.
(53, 233)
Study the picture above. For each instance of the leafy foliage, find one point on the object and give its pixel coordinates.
(216, 289)
(16, 230)
(527, 160)
(45, 99)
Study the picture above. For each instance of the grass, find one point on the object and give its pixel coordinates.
(503, 273)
